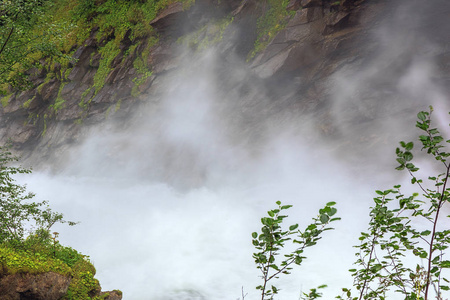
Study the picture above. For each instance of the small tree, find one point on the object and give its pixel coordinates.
(396, 233)
(273, 238)
(27, 35)
(19, 215)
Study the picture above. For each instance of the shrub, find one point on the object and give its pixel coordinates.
(398, 253)
(273, 238)
(404, 249)
(18, 213)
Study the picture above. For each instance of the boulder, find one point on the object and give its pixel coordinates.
(112, 295)
(45, 286)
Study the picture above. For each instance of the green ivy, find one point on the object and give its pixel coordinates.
(59, 102)
(273, 21)
(5, 100)
(108, 52)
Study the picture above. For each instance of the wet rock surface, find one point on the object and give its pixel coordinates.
(321, 38)
(43, 286)
(46, 286)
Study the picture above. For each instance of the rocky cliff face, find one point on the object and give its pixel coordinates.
(44, 286)
(48, 286)
(297, 69)
(347, 66)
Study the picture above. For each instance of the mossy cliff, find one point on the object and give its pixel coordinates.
(43, 269)
(121, 54)
(118, 50)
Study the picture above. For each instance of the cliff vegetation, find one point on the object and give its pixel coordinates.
(33, 264)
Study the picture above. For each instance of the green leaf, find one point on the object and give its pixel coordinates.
(445, 264)
(408, 156)
(293, 227)
(401, 161)
(422, 115)
(332, 211)
(331, 203)
(311, 227)
(286, 206)
(324, 218)
(254, 235)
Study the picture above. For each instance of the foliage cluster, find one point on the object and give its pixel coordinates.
(273, 238)
(40, 253)
(26, 245)
(18, 214)
(27, 35)
(36, 34)
(404, 250)
(274, 19)
(403, 227)
(117, 21)
(15, 260)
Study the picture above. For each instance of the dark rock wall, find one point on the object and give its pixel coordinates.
(320, 39)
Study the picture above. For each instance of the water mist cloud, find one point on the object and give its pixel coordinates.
(167, 204)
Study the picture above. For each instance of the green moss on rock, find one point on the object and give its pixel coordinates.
(37, 256)
(274, 19)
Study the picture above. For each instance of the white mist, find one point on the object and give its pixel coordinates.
(167, 206)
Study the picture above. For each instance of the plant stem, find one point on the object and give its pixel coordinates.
(375, 236)
(368, 266)
(266, 273)
(9, 35)
(441, 201)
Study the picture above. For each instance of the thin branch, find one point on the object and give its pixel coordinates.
(441, 200)
(419, 184)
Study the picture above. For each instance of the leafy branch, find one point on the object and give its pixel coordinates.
(17, 210)
(394, 230)
(273, 238)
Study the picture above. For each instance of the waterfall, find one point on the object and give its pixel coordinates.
(167, 202)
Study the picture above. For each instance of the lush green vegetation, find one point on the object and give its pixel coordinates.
(27, 35)
(270, 23)
(42, 34)
(404, 248)
(47, 33)
(40, 253)
(38, 35)
(26, 245)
